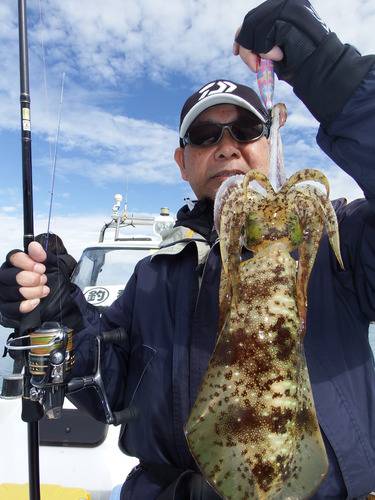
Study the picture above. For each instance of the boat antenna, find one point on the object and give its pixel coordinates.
(125, 211)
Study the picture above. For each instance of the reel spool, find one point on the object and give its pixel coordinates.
(50, 357)
(51, 345)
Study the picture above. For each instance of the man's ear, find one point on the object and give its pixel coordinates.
(180, 160)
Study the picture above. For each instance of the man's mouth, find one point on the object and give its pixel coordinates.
(227, 173)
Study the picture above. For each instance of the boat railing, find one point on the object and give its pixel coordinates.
(122, 220)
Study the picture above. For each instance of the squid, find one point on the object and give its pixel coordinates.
(253, 429)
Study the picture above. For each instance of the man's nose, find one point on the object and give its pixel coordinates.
(227, 147)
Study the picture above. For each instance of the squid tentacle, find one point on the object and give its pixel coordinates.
(308, 174)
(262, 179)
(329, 218)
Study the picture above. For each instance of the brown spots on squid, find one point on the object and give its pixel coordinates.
(241, 424)
(266, 385)
(284, 341)
(249, 426)
(261, 286)
(265, 473)
(274, 234)
(305, 420)
(280, 419)
(243, 351)
(236, 348)
(278, 269)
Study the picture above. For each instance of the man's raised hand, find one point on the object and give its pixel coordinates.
(251, 59)
(285, 31)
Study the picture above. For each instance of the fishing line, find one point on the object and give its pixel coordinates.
(53, 160)
(52, 193)
(44, 71)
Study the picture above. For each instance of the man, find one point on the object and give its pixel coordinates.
(170, 306)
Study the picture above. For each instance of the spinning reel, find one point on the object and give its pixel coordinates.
(50, 359)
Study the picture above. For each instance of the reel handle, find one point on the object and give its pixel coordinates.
(116, 417)
(77, 383)
(120, 337)
(117, 336)
(124, 416)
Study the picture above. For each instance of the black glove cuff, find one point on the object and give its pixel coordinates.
(329, 77)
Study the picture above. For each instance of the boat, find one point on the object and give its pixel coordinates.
(77, 451)
(101, 270)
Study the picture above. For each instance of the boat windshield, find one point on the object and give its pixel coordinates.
(107, 266)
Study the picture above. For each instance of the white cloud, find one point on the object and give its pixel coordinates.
(146, 170)
(8, 192)
(7, 209)
(76, 236)
(140, 37)
(109, 48)
(342, 185)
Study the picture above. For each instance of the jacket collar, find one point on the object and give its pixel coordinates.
(193, 225)
(200, 219)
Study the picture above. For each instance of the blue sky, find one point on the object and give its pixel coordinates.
(129, 67)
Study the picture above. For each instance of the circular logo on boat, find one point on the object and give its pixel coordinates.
(96, 295)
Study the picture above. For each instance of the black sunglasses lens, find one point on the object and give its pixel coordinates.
(245, 131)
(208, 134)
(205, 135)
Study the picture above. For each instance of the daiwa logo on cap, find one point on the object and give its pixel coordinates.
(222, 86)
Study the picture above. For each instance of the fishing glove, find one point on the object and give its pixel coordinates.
(323, 72)
(57, 306)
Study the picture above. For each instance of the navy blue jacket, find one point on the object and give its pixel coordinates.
(172, 325)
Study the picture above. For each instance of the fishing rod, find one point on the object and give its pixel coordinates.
(31, 410)
(48, 349)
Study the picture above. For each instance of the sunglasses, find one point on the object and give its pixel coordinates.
(209, 134)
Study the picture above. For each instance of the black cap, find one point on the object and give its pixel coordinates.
(220, 92)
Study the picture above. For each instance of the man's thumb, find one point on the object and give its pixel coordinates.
(36, 252)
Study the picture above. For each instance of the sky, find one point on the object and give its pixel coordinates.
(129, 66)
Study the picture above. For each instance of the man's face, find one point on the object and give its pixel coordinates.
(205, 168)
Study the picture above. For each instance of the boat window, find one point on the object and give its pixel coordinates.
(107, 266)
